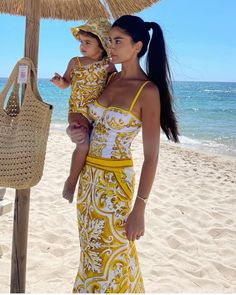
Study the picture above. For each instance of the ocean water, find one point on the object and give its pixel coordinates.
(206, 113)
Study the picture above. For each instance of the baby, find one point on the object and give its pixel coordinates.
(87, 76)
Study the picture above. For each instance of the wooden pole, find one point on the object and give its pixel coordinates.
(19, 243)
(22, 198)
(32, 10)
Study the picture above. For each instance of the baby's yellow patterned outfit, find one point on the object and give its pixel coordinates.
(108, 261)
(87, 83)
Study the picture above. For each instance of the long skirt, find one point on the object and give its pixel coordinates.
(108, 261)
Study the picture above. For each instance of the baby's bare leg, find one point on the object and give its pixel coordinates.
(78, 157)
(77, 163)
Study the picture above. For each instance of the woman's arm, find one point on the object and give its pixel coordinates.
(150, 108)
(151, 140)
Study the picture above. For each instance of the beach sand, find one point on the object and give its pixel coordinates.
(190, 239)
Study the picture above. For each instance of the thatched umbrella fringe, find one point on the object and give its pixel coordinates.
(77, 9)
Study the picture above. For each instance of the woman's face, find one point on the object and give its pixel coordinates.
(121, 46)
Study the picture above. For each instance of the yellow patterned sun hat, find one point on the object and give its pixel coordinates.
(98, 26)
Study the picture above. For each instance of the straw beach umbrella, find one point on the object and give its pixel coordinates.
(33, 10)
(65, 10)
(77, 9)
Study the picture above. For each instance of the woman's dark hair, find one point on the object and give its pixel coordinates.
(85, 33)
(157, 66)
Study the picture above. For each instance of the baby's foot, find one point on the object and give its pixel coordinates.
(68, 190)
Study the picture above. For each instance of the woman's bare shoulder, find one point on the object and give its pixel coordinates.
(150, 93)
(151, 88)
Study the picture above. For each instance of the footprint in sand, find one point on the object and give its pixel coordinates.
(228, 272)
(157, 211)
(183, 234)
(198, 273)
(173, 242)
(216, 232)
(184, 209)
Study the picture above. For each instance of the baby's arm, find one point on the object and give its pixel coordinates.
(64, 82)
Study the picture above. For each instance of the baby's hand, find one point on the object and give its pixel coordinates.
(57, 80)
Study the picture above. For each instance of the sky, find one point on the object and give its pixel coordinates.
(200, 36)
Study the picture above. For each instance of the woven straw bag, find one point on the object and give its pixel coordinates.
(23, 131)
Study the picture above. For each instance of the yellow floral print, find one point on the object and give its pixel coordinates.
(87, 83)
(108, 261)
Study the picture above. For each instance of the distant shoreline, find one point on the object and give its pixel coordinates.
(206, 112)
(60, 128)
(178, 81)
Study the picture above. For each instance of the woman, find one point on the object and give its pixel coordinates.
(108, 224)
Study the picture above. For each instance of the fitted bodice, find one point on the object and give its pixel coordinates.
(113, 131)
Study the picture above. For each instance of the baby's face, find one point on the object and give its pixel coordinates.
(89, 46)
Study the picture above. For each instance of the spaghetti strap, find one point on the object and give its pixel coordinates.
(109, 78)
(79, 63)
(137, 95)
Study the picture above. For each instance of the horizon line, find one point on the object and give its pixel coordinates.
(209, 81)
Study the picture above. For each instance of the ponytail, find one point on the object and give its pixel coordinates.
(157, 67)
(158, 72)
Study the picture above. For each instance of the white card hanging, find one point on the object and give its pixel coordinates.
(22, 74)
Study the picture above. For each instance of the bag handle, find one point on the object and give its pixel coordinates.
(31, 79)
(13, 79)
(7, 86)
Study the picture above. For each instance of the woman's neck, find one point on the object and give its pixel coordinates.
(131, 71)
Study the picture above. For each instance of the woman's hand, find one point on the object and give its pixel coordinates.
(135, 223)
(77, 133)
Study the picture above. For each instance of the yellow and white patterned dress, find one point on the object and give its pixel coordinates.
(87, 83)
(108, 261)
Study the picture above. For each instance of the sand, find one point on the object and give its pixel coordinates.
(190, 239)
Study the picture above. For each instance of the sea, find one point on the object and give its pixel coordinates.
(206, 113)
